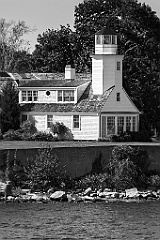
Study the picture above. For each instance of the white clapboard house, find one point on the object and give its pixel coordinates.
(91, 109)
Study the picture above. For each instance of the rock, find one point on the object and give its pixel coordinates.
(59, 196)
(87, 191)
(132, 193)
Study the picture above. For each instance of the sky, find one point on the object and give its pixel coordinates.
(44, 14)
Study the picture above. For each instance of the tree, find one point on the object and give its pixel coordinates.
(139, 41)
(55, 49)
(11, 42)
(10, 115)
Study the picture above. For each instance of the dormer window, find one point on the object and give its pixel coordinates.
(65, 95)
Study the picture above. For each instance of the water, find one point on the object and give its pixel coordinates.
(68, 221)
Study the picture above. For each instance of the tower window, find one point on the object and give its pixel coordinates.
(118, 66)
(118, 97)
(107, 39)
(98, 39)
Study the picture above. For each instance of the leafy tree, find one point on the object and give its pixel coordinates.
(139, 41)
(55, 49)
(11, 42)
(127, 167)
(45, 170)
(10, 115)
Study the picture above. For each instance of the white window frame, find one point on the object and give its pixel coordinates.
(49, 120)
(79, 122)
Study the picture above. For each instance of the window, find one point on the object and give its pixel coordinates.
(107, 39)
(118, 66)
(98, 39)
(48, 93)
(29, 96)
(76, 121)
(59, 96)
(104, 126)
(23, 118)
(118, 97)
(128, 123)
(114, 39)
(24, 96)
(68, 96)
(134, 124)
(49, 121)
(120, 125)
(110, 125)
(35, 96)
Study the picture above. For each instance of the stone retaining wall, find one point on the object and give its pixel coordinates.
(78, 160)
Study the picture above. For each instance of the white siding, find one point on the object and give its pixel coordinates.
(124, 105)
(89, 128)
(104, 72)
(89, 125)
(97, 75)
(42, 97)
(40, 122)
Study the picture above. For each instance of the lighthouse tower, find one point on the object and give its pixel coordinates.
(106, 63)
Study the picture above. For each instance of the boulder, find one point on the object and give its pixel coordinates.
(59, 196)
(132, 193)
(87, 191)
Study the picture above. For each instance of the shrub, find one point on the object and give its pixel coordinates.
(154, 181)
(142, 136)
(61, 131)
(45, 171)
(127, 167)
(28, 126)
(42, 136)
(12, 135)
(95, 181)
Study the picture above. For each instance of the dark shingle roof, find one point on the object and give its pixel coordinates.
(88, 103)
(51, 83)
(49, 76)
(106, 31)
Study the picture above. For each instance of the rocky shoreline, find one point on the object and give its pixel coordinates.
(88, 195)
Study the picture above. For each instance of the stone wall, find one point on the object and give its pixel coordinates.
(78, 160)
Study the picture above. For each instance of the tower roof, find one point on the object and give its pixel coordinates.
(106, 31)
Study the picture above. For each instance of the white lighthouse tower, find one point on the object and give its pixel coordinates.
(106, 63)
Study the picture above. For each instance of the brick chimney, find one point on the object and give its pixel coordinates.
(69, 72)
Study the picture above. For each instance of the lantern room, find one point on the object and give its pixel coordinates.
(106, 41)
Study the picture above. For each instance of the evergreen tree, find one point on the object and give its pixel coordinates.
(10, 116)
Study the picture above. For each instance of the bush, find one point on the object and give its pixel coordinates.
(142, 136)
(45, 171)
(61, 131)
(28, 127)
(12, 135)
(95, 181)
(154, 181)
(127, 167)
(42, 136)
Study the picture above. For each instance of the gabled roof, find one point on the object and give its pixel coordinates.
(51, 83)
(87, 103)
(106, 31)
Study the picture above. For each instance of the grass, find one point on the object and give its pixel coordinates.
(39, 144)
